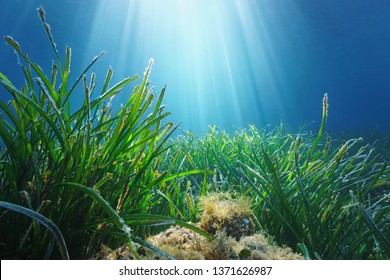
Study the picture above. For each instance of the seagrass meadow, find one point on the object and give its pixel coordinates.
(76, 179)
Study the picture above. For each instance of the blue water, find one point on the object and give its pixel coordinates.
(226, 62)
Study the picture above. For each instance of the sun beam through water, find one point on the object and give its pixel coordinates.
(215, 56)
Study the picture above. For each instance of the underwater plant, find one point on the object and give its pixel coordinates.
(95, 178)
(226, 218)
(220, 212)
(323, 197)
(80, 168)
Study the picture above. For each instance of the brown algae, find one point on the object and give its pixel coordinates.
(229, 220)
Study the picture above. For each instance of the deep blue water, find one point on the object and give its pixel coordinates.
(226, 62)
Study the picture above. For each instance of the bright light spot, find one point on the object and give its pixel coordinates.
(215, 56)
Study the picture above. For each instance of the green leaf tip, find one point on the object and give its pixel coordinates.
(10, 41)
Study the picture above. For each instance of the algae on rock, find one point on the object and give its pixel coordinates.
(222, 212)
(230, 221)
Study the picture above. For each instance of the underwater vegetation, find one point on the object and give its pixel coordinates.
(80, 168)
(76, 182)
(229, 220)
